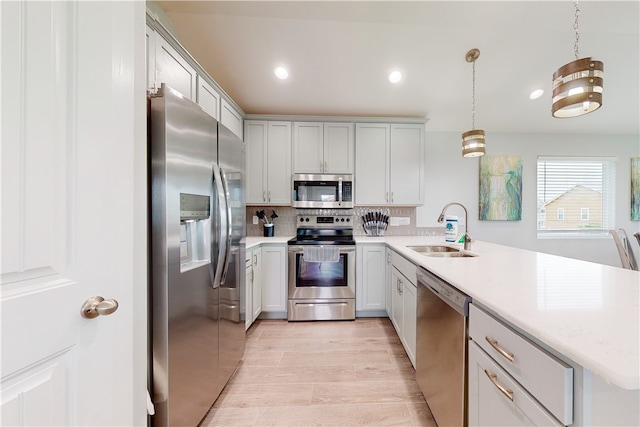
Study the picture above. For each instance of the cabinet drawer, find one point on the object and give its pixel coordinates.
(496, 399)
(547, 378)
(407, 268)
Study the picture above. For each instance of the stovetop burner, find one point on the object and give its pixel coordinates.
(335, 229)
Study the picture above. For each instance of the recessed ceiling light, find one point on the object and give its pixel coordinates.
(536, 94)
(395, 76)
(281, 73)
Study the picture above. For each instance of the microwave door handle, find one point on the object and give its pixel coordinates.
(220, 226)
(340, 190)
(227, 257)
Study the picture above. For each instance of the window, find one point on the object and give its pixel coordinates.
(576, 196)
(584, 214)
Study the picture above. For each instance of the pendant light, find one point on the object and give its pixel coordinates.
(577, 86)
(473, 140)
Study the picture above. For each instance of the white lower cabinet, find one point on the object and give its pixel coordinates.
(495, 399)
(404, 301)
(513, 381)
(370, 280)
(256, 289)
(253, 281)
(274, 281)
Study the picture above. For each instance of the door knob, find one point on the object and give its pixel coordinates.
(96, 306)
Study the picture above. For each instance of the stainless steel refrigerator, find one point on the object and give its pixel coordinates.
(197, 230)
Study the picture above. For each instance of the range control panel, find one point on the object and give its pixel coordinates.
(336, 220)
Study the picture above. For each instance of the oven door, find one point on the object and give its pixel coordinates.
(322, 280)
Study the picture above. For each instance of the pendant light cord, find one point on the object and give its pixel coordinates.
(575, 27)
(473, 96)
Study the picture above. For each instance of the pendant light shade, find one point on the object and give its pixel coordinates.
(577, 86)
(473, 144)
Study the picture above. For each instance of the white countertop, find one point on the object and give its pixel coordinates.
(587, 312)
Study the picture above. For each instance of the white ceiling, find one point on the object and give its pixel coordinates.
(339, 54)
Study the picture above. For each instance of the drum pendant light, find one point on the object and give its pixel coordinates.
(577, 86)
(473, 141)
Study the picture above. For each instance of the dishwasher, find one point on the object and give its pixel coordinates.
(441, 348)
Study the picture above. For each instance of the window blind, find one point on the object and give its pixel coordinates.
(576, 196)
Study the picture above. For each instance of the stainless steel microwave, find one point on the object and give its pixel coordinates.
(322, 191)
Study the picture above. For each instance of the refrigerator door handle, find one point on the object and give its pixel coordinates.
(219, 193)
(227, 204)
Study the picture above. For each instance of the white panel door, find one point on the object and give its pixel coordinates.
(208, 98)
(174, 70)
(407, 164)
(73, 213)
(308, 143)
(339, 147)
(372, 164)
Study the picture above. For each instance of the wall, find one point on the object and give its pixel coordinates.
(450, 177)
(285, 224)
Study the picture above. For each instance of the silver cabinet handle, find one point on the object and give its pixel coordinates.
(269, 197)
(326, 166)
(96, 306)
(387, 196)
(504, 353)
(392, 197)
(494, 379)
(264, 196)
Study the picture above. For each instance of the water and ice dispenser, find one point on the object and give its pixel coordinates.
(195, 241)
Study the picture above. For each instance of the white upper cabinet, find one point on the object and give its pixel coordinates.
(174, 70)
(323, 147)
(389, 164)
(339, 147)
(208, 98)
(231, 118)
(151, 59)
(372, 165)
(406, 160)
(268, 162)
(177, 68)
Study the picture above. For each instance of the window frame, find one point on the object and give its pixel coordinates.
(546, 186)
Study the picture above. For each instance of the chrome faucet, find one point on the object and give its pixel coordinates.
(467, 237)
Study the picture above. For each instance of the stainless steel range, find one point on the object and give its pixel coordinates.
(322, 268)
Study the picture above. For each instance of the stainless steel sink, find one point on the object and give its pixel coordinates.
(440, 251)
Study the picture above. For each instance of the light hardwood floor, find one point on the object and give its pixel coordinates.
(342, 373)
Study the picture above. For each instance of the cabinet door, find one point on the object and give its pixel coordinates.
(491, 406)
(409, 317)
(274, 279)
(174, 70)
(372, 166)
(339, 148)
(231, 118)
(308, 147)
(370, 283)
(396, 301)
(151, 59)
(208, 98)
(256, 295)
(407, 164)
(256, 139)
(278, 164)
(389, 285)
(249, 278)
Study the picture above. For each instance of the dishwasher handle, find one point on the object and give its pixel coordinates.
(447, 293)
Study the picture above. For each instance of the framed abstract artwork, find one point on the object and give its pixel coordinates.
(500, 188)
(635, 189)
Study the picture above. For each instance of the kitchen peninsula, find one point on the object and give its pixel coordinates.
(583, 313)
